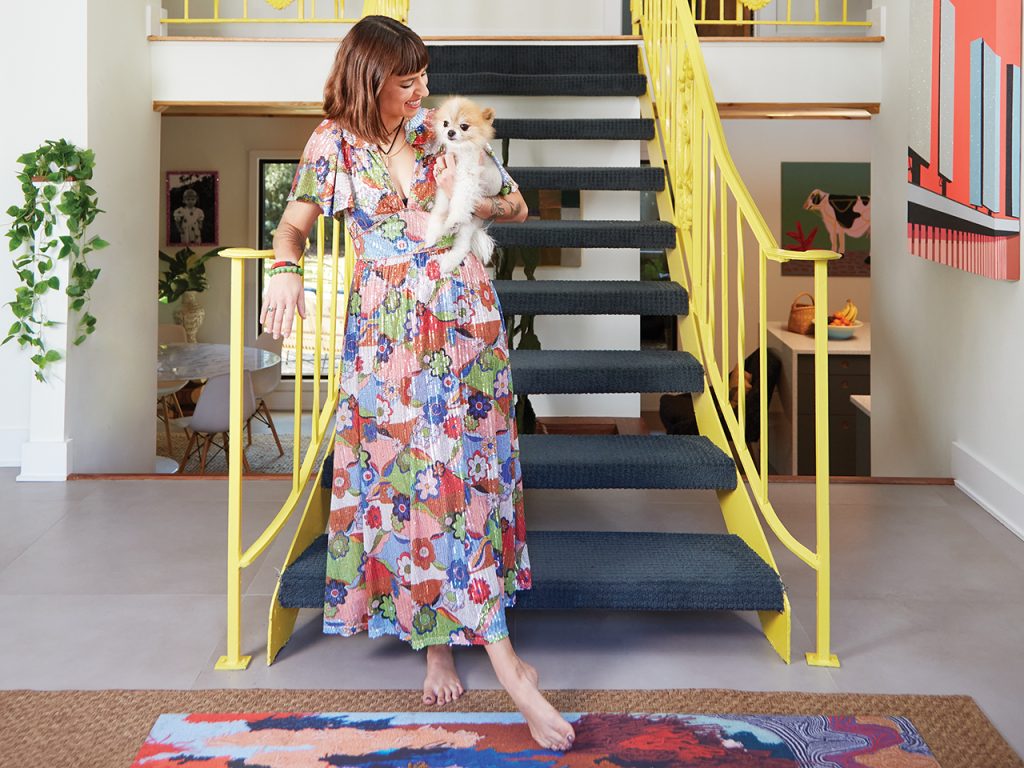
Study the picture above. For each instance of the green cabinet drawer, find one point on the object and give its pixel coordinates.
(842, 453)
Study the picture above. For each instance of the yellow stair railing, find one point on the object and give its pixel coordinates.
(304, 12)
(306, 467)
(745, 9)
(715, 217)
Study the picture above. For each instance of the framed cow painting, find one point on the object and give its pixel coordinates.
(827, 206)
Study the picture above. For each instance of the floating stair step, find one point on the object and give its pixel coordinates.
(499, 83)
(533, 59)
(614, 461)
(642, 178)
(637, 129)
(544, 371)
(586, 234)
(591, 297)
(624, 461)
(570, 569)
(648, 572)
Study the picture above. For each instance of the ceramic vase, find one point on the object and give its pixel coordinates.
(190, 315)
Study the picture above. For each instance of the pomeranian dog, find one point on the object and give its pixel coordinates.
(463, 129)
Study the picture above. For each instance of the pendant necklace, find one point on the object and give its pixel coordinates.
(387, 152)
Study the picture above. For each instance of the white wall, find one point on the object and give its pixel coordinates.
(111, 381)
(947, 358)
(32, 115)
(758, 148)
(92, 88)
(223, 144)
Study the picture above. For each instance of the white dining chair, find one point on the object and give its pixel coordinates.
(263, 383)
(210, 420)
(167, 389)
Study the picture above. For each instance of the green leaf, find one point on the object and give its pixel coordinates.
(53, 356)
(80, 339)
(54, 282)
(98, 242)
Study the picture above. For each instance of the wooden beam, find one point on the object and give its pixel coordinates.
(425, 38)
(728, 110)
(796, 111)
(796, 39)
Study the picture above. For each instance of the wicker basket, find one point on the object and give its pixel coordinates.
(801, 316)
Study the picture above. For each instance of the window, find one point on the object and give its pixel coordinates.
(275, 181)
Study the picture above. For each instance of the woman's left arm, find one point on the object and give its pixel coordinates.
(510, 207)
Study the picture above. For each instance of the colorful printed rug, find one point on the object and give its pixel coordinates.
(502, 740)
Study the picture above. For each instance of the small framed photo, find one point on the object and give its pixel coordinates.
(192, 208)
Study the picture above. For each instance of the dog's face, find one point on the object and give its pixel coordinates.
(460, 122)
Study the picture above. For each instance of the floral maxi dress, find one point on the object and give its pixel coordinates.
(427, 536)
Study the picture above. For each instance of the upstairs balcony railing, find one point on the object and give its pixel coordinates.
(755, 18)
(744, 18)
(186, 12)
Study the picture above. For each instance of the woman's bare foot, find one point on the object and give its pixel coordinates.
(442, 684)
(547, 726)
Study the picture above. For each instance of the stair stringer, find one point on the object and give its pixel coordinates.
(281, 621)
(738, 509)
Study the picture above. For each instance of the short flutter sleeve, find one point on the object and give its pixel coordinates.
(322, 176)
(508, 184)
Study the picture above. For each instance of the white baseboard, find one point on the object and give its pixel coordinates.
(11, 440)
(45, 461)
(994, 492)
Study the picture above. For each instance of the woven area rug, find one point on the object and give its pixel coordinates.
(264, 458)
(109, 728)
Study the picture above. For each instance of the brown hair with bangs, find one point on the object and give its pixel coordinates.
(374, 49)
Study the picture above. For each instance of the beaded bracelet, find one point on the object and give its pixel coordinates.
(282, 270)
(285, 263)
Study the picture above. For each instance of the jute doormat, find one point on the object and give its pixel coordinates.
(106, 728)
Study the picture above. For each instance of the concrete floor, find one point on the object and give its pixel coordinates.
(121, 584)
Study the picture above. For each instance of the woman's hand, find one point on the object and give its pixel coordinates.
(443, 175)
(282, 297)
(283, 294)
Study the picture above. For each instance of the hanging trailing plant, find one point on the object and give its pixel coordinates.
(54, 180)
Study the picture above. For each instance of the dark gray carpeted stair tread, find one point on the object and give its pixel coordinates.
(591, 297)
(628, 571)
(640, 178)
(615, 461)
(617, 129)
(606, 570)
(624, 461)
(586, 234)
(504, 84)
(550, 371)
(533, 59)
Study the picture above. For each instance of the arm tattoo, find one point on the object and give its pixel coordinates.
(501, 209)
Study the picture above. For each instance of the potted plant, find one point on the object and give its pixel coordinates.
(184, 278)
(47, 236)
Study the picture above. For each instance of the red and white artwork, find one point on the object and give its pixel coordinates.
(964, 144)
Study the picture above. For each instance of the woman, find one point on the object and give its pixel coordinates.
(426, 532)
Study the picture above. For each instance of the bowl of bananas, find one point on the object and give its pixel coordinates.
(844, 323)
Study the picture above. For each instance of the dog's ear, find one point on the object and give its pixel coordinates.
(488, 114)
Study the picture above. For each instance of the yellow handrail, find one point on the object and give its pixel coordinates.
(305, 467)
(746, 11)
(703, 191)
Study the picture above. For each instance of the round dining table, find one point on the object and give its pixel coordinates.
(177, 362)
(204, 361)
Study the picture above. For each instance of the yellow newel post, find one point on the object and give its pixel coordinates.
(234, 659)
(822, 656)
